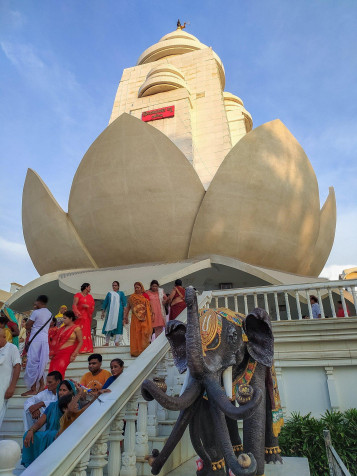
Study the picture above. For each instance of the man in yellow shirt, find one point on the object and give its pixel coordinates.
(96, 377)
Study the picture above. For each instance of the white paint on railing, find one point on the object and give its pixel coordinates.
(266, 305)
(322, 312)
(245, 304)
(277, 310)
(255, 300)
(297, 300)
(332, 305)
(287, 306)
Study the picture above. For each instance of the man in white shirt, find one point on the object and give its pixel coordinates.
(37, 355)
(10, 367)
(36, 405)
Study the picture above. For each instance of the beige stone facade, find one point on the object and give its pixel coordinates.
(207, 121)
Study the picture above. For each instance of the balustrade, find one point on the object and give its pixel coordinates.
(290, 302)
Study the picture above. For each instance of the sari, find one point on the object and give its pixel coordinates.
(43, 439)
(140, 326)
(85, 320)
(60, 358)
(11, 316)
(178, 307)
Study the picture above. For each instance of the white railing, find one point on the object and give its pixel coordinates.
(288, 302)
(84, 448)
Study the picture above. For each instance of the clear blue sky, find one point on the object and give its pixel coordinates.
(61, 62)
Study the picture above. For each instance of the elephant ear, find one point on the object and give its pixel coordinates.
(176, 334)
(257, 327)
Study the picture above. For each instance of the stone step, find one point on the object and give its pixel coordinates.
(12, 423)
(165, 427)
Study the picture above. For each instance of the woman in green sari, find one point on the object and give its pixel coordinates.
(36, 442)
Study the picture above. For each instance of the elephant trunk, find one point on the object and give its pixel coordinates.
(175, 436)
(219, 398)
(220, 427)
(193, 336)
(151, 391)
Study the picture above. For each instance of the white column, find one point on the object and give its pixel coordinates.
(266, 305)
(287, 306)
(297, 299)
(126, 332)
(322, 311)
(98, 455)
(129, 458)
(10, 453)
(277, 306)
(81, 467)
(332, 388)
(309, 304)
(255, 300)
(152, 427)
(115, 439)
(141, 446)
(235, 298)
(331, 303)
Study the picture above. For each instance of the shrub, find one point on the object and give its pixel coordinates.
(303, 436)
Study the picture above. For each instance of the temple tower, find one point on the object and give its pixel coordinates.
(182, 81)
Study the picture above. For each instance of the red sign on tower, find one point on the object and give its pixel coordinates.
(156, 114)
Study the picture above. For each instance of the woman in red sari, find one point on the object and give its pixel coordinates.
(177, 300)
(67, 344)
(141, 314)
(83, 307)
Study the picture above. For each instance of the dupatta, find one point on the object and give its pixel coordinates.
(140, 305)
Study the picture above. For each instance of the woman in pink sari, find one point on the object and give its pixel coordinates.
(83, 307)
(157, 299)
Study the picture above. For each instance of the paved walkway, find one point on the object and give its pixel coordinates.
(291, 467)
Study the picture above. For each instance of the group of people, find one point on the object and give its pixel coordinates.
(60, 339)
(49, 413)
(316, 311)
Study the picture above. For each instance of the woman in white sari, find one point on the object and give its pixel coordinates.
(113, 310)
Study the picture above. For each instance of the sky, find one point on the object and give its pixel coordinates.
(61, 62)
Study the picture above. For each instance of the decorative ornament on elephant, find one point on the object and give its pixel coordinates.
(228, 359)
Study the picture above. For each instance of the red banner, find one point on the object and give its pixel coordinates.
(156, 114)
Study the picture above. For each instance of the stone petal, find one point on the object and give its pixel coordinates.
(262, 206)
(51, 240)
(135, 196)
(320, 252)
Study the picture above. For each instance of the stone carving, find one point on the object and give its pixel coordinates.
(220, 348)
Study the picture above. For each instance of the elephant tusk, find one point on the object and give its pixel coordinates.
(185, 382)
(227, 382)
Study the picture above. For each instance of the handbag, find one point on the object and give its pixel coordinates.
(27, 344)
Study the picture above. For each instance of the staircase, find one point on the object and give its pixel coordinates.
(12, 427)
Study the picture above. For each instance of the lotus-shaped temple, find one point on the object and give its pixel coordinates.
(179, 173)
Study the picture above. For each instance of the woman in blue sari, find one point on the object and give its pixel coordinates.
(36, 442)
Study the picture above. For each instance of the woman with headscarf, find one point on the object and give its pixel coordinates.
(177, 300)
(140, 326)
(35, 442)
(59, 315)
(158, 299)
(12, 325)
(67, 343)
(113, 310)
(83, 307)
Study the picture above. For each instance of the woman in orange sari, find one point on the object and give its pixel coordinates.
(141, 326)
(67, 345)
(83, 307)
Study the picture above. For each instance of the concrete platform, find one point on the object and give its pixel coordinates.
(291, 467)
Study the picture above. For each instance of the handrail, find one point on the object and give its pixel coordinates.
(286, 287)
(62, 456)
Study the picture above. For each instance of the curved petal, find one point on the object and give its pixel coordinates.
(320, 252)
(50, 237)
(135, 196)
(262, 206)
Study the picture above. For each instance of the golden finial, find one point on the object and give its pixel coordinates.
(179, 26)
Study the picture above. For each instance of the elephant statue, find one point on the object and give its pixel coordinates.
(227, 358)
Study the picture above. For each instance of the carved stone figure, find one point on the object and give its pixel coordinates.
(219, 348)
